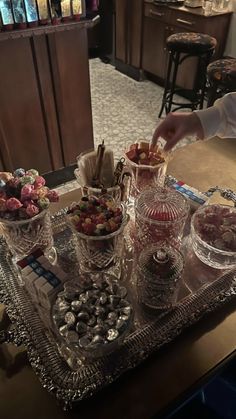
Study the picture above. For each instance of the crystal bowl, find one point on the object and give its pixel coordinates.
(213, 235)
(24, 236)
(96, 253)
(93, 315)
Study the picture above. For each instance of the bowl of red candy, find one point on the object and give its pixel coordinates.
(213, 234)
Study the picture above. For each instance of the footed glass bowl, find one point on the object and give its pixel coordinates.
(93, 315)
(213, 235)
(24, 236)
(100, 253)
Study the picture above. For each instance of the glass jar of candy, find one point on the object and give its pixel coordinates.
(213, 235)
(146, 172)
(160, 216)
(24, 236)
(92, 317)
(158, 276)
(97, 249)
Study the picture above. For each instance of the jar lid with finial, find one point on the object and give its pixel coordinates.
(162, 205)
(160, 267)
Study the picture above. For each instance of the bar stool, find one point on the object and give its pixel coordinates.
(221, 77)
(181, 46)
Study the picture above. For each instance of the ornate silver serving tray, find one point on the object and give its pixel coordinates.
(203, 290)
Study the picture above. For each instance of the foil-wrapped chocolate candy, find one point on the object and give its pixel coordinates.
(72, 336)
(83, 315)
(112, 316)
(63, 330)
(81, 328)
(70, 318)
(76, 305)
(120, 324)
(112, 334)
(98, 339)
(94, 315)
(122, 292)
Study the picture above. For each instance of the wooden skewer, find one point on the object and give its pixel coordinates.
(96, 178)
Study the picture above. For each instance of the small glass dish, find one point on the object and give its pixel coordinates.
(93, 315)
(158, 273)
(160, 215)
(213, 235)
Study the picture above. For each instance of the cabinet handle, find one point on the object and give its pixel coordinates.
(186, 22)
(152, 12)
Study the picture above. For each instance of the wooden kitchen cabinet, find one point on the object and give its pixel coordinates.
(45, 114)
(154, 57)
(160, 22)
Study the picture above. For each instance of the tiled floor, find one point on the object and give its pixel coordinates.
(124, 110)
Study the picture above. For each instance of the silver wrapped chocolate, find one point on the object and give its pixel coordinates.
(94, 317)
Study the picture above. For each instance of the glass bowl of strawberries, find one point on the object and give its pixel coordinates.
(213, 235)
(98, 225)
(147, 165)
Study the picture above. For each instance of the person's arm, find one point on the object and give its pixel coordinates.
(219, 119)
(176, 126)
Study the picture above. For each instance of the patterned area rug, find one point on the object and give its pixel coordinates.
(124, 110)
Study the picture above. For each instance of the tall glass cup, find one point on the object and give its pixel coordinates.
(100, 253)
(144, 176)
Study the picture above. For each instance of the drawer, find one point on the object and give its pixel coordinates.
(188, 21)
(157, 12)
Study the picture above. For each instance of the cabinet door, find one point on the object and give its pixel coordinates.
(70, 69)
(28, 127)
(154, 54)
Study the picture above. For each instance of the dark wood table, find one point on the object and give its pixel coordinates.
(171, 374)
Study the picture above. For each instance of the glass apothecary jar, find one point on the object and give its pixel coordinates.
(158, 276)
(160, 216)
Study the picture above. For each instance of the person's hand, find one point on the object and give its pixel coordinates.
(176, 126)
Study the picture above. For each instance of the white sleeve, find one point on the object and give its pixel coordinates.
(220, 119)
